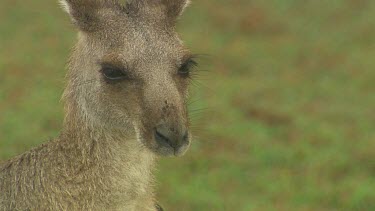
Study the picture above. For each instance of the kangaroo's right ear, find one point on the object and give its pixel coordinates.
(86, 13)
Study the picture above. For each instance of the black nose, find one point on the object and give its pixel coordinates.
(168, 136)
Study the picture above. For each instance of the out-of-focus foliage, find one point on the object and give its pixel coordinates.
(289, 118)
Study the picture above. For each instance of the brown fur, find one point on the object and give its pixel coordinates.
(104, 156)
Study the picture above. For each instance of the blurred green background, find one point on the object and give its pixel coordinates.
(289, 118)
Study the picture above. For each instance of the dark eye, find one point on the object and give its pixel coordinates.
(187, 67)
(113, 74)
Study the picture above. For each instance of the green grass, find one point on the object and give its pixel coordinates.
(290, 118)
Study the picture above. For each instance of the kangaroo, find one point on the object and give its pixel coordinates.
(125, 106)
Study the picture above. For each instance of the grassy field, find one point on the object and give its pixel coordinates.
(289, 98)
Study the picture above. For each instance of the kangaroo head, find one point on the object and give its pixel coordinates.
(129, 71)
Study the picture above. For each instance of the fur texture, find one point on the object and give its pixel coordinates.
(104, 157)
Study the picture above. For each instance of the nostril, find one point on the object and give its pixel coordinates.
(164, 136)
(163, 139)
(186, 136)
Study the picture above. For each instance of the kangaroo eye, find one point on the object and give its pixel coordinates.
(113, 74)
(187, 67)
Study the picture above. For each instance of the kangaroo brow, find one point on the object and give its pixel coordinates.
(114, 61)
(186, 57)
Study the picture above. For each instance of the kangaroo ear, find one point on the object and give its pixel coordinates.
(175, 7)
(170, 9)
(85, 13)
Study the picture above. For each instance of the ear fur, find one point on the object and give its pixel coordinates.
(175, 7)
(84, 13)
(172, 9)
(65, 6)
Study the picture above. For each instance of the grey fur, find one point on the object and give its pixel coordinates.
(104, 157)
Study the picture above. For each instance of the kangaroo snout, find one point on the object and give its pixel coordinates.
(171, 137)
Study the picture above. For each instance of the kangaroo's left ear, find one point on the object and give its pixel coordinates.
(86, 13)
(170, 9)
(175, 7)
